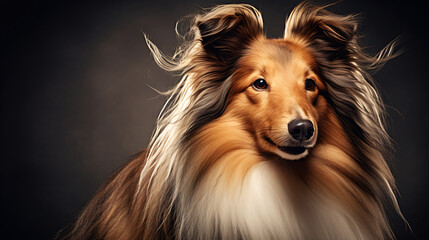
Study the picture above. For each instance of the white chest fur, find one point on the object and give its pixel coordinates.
(261, 206)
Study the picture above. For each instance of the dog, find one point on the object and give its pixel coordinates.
(260, 139)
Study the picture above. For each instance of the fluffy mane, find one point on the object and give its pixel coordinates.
(153, 197)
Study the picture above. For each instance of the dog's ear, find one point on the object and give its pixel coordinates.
(227, 30)
(332, 35)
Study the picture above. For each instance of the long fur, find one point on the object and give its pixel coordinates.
(204, 176)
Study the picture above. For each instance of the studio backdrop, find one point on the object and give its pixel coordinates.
(78, 98)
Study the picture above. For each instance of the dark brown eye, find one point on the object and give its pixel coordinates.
(260, 84)
(310, 85)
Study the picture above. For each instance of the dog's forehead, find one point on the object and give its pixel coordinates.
(280, 52)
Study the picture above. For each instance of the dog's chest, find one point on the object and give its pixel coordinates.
(264, 207)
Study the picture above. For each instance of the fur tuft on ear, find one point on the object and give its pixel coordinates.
(227, 29)
(330, 33)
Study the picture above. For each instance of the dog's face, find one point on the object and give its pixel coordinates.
(279, 93)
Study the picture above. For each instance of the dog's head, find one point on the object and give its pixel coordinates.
(280, 86)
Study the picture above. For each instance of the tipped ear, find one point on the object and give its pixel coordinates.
(227, 30)
(329, 34)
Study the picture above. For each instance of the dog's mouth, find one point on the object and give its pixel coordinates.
(291, 150)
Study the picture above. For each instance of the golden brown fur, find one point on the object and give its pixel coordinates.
(215, 167)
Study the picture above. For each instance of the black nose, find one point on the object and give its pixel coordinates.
(301, 129)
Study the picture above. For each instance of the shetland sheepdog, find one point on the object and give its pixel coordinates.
(260, 139)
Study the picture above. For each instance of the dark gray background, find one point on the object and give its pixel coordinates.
(76, 105)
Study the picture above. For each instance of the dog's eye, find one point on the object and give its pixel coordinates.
(310, 84)
(260, 84)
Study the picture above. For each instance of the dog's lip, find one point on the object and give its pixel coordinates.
(293, 150)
